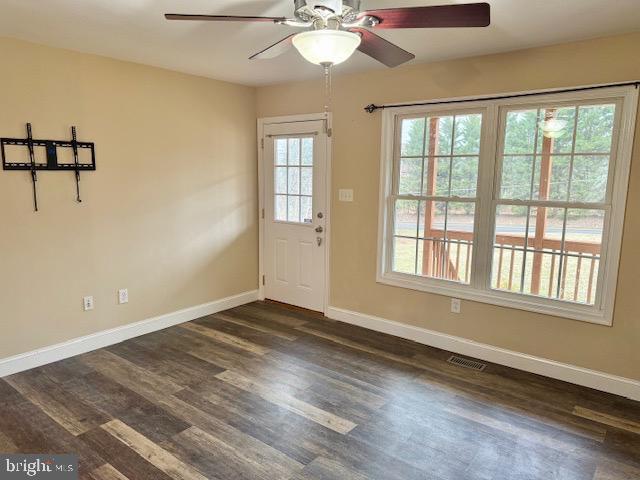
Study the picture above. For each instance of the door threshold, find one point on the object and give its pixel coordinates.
(294, 308)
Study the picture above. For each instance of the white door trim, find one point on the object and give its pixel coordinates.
(262, 122)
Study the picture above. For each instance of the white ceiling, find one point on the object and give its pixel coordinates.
(136, 30)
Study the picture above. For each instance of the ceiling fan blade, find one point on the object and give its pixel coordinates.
(437, 16)
(274, 50)
(222, 18)
(382, 50)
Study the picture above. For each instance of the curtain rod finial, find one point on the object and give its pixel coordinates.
(371, 108)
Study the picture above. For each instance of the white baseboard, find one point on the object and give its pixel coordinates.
(76, 346)
(562, 371)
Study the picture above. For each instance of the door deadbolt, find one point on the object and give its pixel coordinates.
(320, 215)
(319, 229)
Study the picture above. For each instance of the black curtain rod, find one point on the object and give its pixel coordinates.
(373, 107)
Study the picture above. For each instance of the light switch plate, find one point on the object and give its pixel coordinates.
(345, 195)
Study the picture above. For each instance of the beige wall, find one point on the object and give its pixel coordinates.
(170, 213)
(356, 157)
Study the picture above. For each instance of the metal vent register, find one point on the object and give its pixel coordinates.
(466, 363)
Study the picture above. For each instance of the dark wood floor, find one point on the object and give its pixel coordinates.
(266, 392)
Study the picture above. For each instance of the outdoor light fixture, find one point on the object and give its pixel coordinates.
(553, 127)
(326, 47)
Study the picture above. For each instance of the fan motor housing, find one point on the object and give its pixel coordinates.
(305, 9)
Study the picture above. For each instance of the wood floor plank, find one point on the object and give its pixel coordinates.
(227, 461)
(532, 409)
(32, 431)
(130, 375)
(264, 311)
(269, 329)
(225, 338)
(289, 402)
(6, 445)
(152, 452)
(234, 440)
(326, 469)
(607, 419)
(107, 472)
(121, 457)
(117, 401)
(69, 411)
(174, 365)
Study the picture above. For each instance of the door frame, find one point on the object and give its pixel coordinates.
(262, 123)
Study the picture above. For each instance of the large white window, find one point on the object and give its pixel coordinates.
(516, 202)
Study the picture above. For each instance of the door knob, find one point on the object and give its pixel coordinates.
(319, 240)
(319, 229)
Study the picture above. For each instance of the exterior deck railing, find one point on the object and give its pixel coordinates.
(450, 258)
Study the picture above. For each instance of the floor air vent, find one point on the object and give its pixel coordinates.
(466, 363)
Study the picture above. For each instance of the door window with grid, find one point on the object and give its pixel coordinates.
(516, 202)
(293, 179)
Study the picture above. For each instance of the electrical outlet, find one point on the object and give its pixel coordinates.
(345, 195)
(455, 305)
(87, 303)
(123, 296)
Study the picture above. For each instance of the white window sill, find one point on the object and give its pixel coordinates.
(530, 303)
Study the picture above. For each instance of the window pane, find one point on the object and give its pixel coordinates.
(509, 242)
(595, 128)
(306, 209)
(442, 168)
(558, 178)
(281, 151)
(516, 177)
(555, 130)
(585, 227)
(467, 133)
(446, 254)
(542, 270)
(443, 127)
(507, 268)
(406, 218)
(306, 186)
(410, 176)
(464, 176)
(281, 208)
(404, 255)
(582, 249)
(294, 180)
(589, 178)
(520, 132)
(307, 151)
(412, 137)
(432, 219)
(450, 260)
(294, 151)
(460, 220)
(293, 214)
(281, 179)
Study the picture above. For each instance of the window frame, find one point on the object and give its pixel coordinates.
(487, 197)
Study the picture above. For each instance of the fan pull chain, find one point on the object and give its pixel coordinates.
(327, 86)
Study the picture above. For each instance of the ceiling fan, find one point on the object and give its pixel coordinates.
(334, 29)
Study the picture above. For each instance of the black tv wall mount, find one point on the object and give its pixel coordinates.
(52, 163)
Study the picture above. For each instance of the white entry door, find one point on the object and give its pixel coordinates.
(295, 158)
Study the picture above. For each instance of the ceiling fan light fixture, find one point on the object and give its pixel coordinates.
(326, 47)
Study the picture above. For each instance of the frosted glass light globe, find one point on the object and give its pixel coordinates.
(324, 47)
